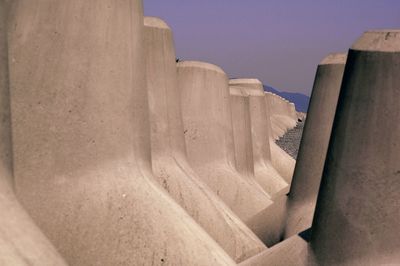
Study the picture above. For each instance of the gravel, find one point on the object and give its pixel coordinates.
(290, 142)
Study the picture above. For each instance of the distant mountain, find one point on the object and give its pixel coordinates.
(300, 100)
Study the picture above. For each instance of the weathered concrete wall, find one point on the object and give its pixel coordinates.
(209, 137)
(314, 144)
(168, 150)
(265, 174)
(82, 140)
(21, 242)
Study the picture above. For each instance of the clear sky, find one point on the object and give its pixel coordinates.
(278, 41)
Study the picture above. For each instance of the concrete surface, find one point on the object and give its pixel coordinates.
(357, 214)
(314, 143)
(280, 160)
(168, 150)
(242, 136)
(356, 217)
(209, 137)
(21, 242)
(247, 100)
(82, 141)
(265, 174)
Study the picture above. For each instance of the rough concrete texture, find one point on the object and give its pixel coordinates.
(314, 144)
(168, 150)
(265, 174)
(82, 141)
(209, 137)
(21, 242)
(356, 217)
(357, 214)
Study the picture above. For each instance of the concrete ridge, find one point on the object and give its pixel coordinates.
(243, 90)
(156, 22)
(334, 58)
(385, 40)
(199, 64)
(244, 81)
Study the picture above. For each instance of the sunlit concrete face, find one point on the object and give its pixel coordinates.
(21, 242)
(314, 143)
(250, 124)
(209, 137)
(356, 218)
(281, 161)
(81, 138)
(169, 162)
(265, 174)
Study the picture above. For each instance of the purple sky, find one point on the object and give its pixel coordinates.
(280, 42)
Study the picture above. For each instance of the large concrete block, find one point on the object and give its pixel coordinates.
(82, 140)
(168, 150)
(357, 215)
(281, 117)
(358, 208)
(281, 161)
(265, 174)
(314, 143)
(21, 242)
(209, 137)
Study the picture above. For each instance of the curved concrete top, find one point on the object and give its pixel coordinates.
(156, 23)
(203, 65)
(249, 87)
(334, 58)
(244, 81)
(379, 40)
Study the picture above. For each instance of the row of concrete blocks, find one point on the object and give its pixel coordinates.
(89, 141)
(214, 160)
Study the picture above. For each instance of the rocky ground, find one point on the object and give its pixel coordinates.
(290, 142)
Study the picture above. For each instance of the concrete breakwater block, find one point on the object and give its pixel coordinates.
(81, 138)
(21, 241)
(168, 150)
(356, 217)
(314, 143)
(208, 130)
(265, 174)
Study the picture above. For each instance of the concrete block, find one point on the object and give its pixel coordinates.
(314, 143)
(357, 215)
(209, 137)
(168, 150)
(81, 138)
(21, 241)
(265, 174)
(357, 212)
